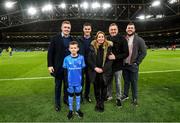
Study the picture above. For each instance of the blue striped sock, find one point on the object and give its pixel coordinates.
(78, 102)
(70, 100)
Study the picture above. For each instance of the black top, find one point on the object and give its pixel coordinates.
(120, 50)
(99, 57)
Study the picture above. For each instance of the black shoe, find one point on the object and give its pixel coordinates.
(79, 113)
(105, 99)
(101, 107)
(88, 99)
(70, 115)
(134, 102)
(57, 108)
(66, 102)
(118, 103)
(123, 98)
(97, 107)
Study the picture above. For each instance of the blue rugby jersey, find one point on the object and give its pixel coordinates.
(74, 66)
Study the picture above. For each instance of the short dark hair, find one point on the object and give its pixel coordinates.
(131, 23)
(87, 24)
(73, 43)
(113, 24)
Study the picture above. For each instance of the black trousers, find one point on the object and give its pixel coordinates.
(100, 89)
(58, 86)
(130, 75)
(87, 84)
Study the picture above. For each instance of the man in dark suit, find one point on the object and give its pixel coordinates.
(58, 50)
(137, 52)
(84, 44)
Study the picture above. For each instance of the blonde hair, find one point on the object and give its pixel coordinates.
(65, 22)
(105, 43)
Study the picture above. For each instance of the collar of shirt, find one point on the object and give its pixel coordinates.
(130, 39)
(62, 34)
(87, 37)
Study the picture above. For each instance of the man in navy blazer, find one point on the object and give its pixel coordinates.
(58, 50)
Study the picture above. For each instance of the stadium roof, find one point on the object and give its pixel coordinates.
(20, 12)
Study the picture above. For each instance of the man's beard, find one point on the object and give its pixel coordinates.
(131, 34)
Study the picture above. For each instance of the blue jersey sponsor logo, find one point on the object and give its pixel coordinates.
(74, 65)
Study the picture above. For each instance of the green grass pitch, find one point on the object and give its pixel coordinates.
(33, 99)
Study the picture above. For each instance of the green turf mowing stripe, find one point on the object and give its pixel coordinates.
(31, 78)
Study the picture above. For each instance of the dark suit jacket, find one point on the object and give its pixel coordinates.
(56, 54)
(139, 50)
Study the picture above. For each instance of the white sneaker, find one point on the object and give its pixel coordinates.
(109, 98)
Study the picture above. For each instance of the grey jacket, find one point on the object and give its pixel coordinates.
(139, 50)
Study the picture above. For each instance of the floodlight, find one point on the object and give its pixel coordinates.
(47, 7)
(32, 11)
(172, 1)
(62, 5)
(156, 3)
(106, 5)
(85, 5)
(75, 5)
(159, 16)
(95, 5)
(141, 17)
(148, 16)
(9, 4)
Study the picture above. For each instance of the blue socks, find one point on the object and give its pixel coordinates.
(78, 102)
(70, 101)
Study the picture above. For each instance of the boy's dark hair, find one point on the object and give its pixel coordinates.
(87, 24)
(73, 43)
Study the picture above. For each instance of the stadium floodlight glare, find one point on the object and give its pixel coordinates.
(148, 16)
(173, 1)
(75, 5)
(85, 5)
(106, 5)
(62, 5)
(47, 7)
(95, 5)
(9, 4)
(32, 11)
(156, 3)
(141, 17)
(159, 16)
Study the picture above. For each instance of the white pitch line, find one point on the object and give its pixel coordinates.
(30, 78)
(36, 78)
(162, 71)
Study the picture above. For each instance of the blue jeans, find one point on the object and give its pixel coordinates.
(117, 75)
